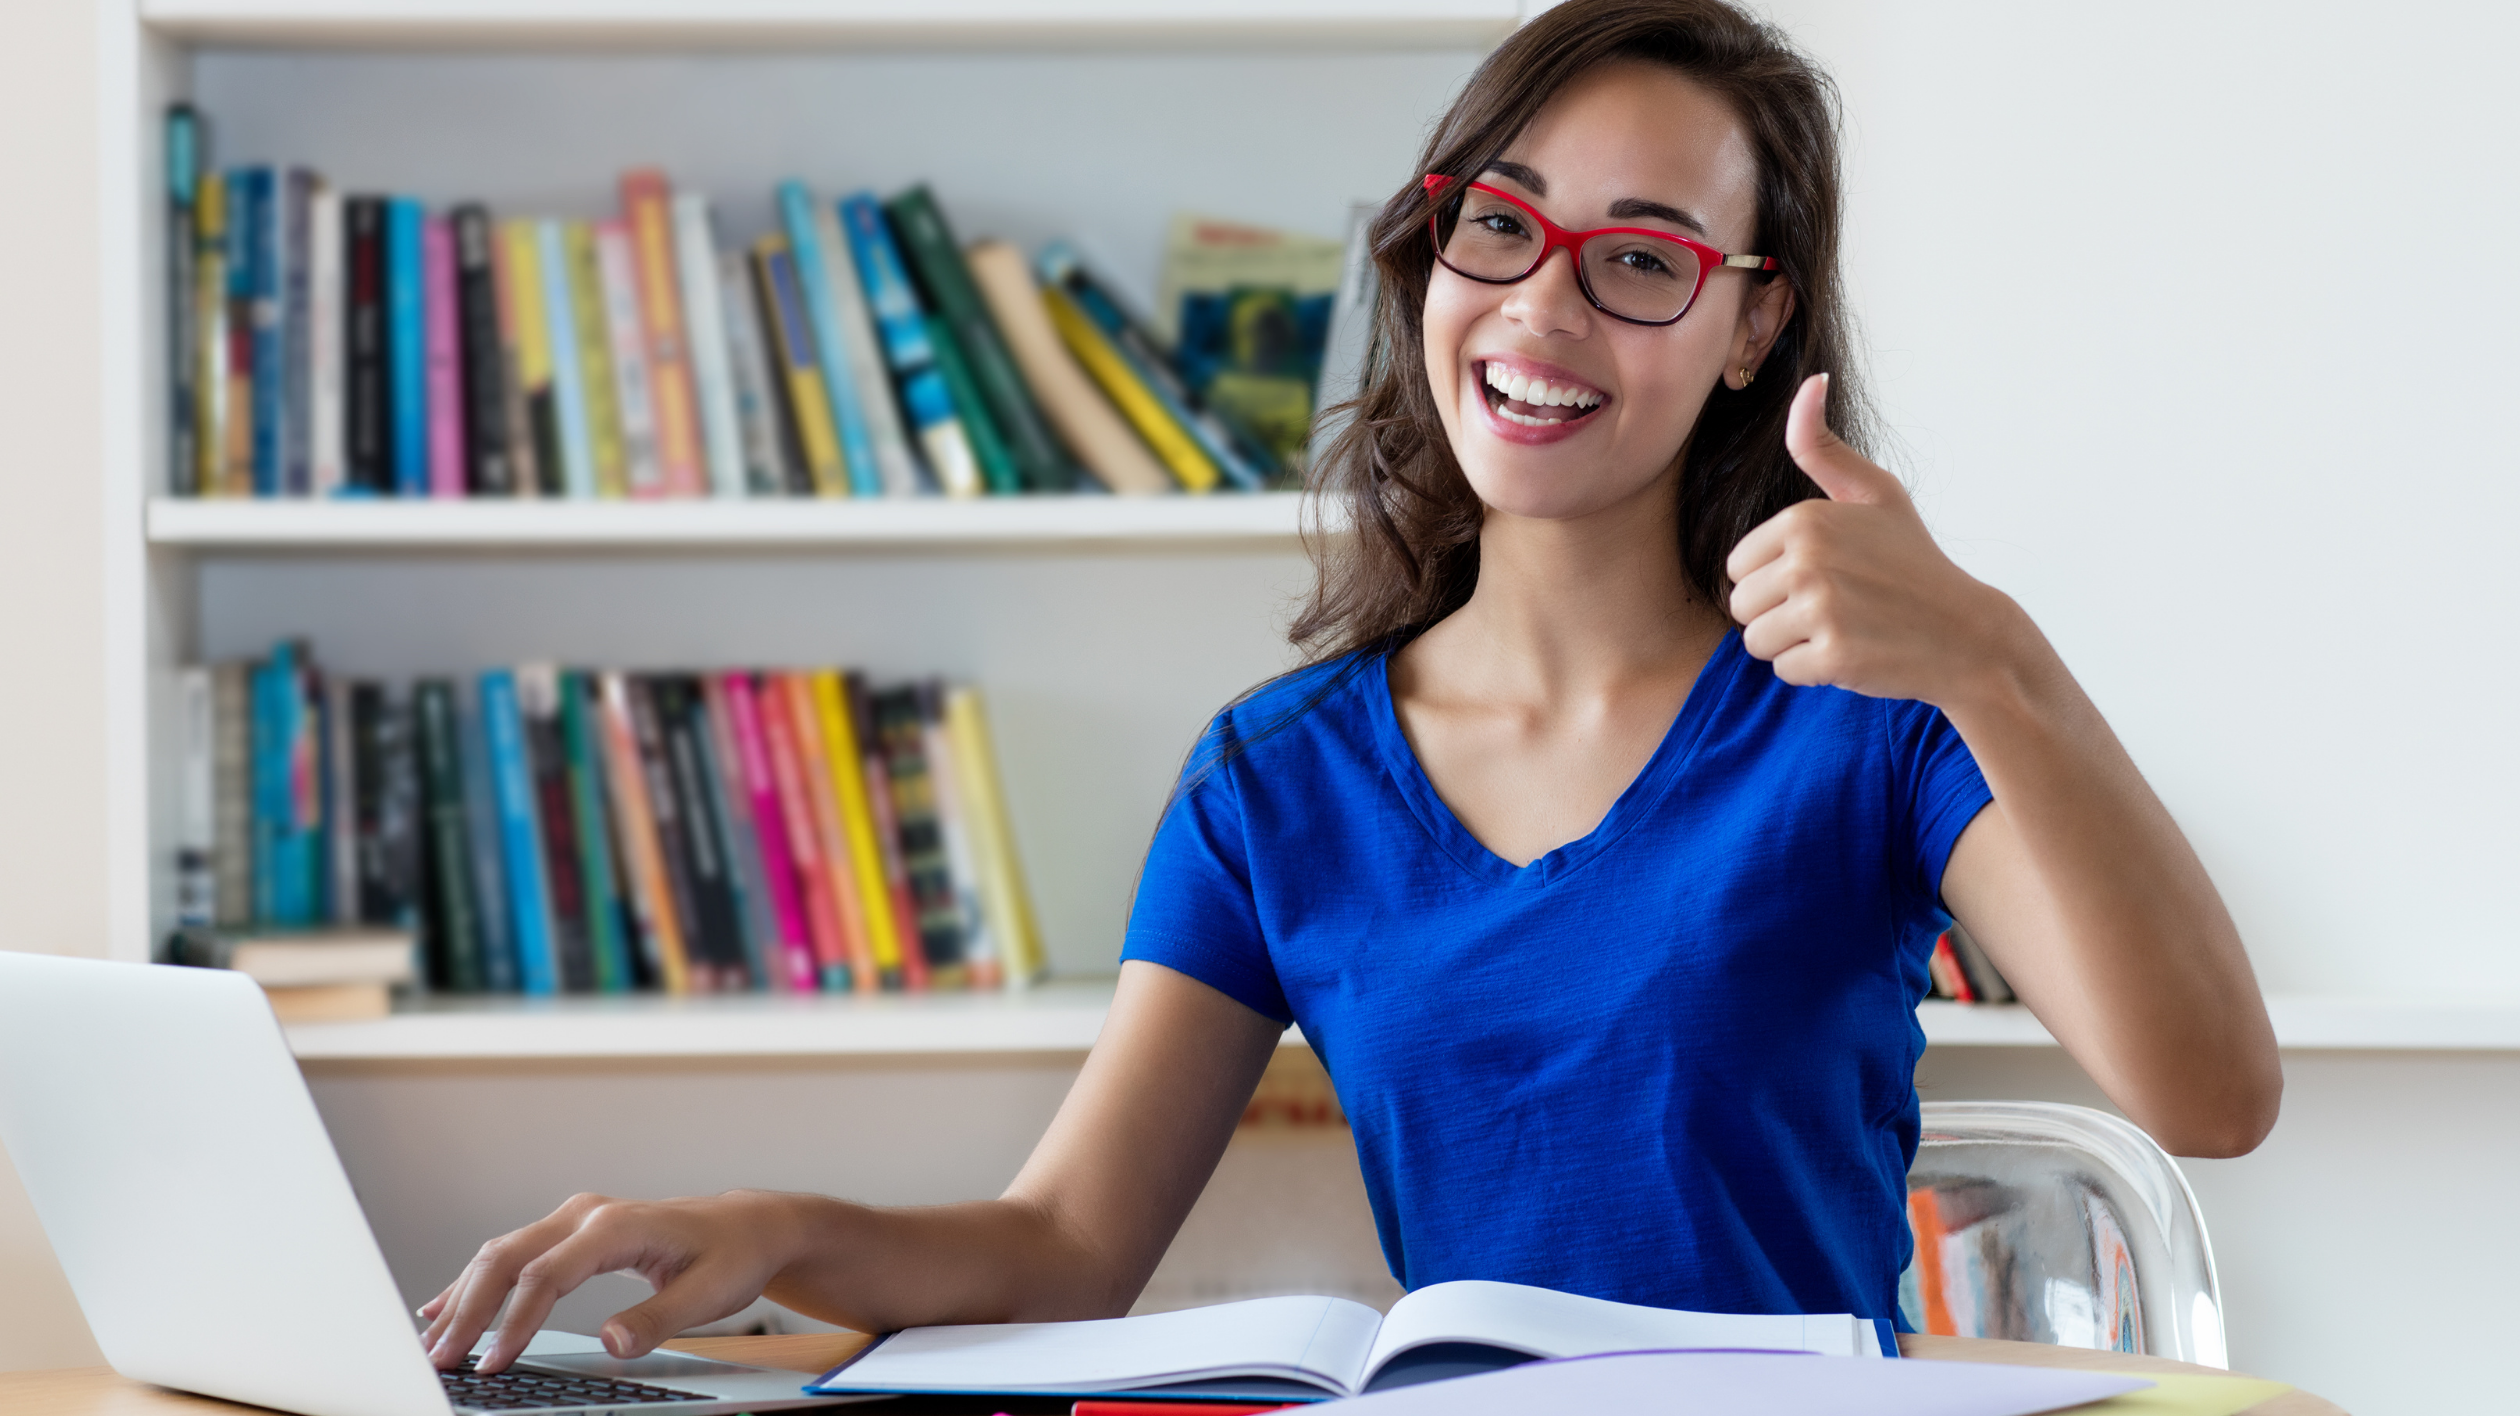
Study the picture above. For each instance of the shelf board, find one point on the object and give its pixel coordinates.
(963, 24)
(1066, 1017)
(219, 524)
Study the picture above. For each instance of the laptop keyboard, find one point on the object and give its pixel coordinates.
(515, 1390)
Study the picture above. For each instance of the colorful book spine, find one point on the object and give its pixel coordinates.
(798, 964)
(815, 887)
(326, 344)
(857, 965)
(196, 820)
(896, 468)
(569, 376)
(819, 302)
(765, 954)
(555, 813)
(894, 304)
(997, 462)
(440, 333)
(520, 830)
(492, 904)
(593, 336)
(454, 929)
(792, 344)
(406, 344)
(1190, 464)
(880, 801)
(714, 897)
(713, 357)
(296, 290)
(266, 336)
(581, 740)
(647, 207)
(895, 951)
(1110, 450)
(1002, 890)
(525, 333)
(237, 453)
(489, 468)
(210, 337)
(953, 826)
(634, 383)
(665, 807)
(937, 257)
(184, 147)
(900, 735)
(368, 460)
(1246, 465)
(767, 462)
(652, 905)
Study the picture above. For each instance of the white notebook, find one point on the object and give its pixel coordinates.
(1307, 1348)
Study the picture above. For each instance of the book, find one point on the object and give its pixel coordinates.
(330, 1002)
(341, 783)
(766, 460)
(1305, 1348)
(520, 834)
(406, 346)
(488, 390)
(1188, 462)
(296, 233)
(894, 306)
(383, 822)
(900, 737)
(572, 382)
(1944, 966)
(184, 154)
(701, 953)
(236, 473)
(1002, 890)
(704, 835)
(887, 948)
(210, 338)
(263, 251)
(453, 937)
(662, 954)
(713, 356)
(896, 898)
(634, 384)
(1082, 414)
(797, 966)
(196, 797)
(440, 333)
(1983, 978)
(818, 311)
(998, 473)
(1244, 462)
(368, 459)
(857, 959)
(327, 312)
(791, 342)
(802, 819)
(525, 335)
(962, 863)
(232, 715)
(494, 907)
(765, 960)
(296, 958)
(936, 258)
(1245, 311)
(608, 945)
(647, 208)
(556, 827)
(601, 379)
(896, 469)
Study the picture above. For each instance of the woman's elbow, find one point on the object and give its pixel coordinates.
(2231, 1120)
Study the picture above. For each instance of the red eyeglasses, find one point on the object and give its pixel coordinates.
(1629, 273)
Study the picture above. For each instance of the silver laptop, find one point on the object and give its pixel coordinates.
(194, 1199)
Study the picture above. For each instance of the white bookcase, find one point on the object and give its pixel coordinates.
(1104, 629)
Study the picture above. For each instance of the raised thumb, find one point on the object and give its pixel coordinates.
(1840, 471)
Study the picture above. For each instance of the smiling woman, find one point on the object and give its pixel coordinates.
(1648, 742)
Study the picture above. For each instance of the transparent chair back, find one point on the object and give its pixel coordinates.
(2048, 1223)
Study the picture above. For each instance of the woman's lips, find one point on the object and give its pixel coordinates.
(1529, 424)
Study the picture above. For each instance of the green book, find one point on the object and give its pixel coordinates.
(604, 938)
(988, 448)
(937, 258)
(454, 925)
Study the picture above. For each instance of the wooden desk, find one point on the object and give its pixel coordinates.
(96, 1391)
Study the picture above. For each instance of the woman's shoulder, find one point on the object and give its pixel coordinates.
(1283, 722)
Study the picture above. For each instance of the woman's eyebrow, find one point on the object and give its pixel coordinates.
(1515, 171)
(1626, 208)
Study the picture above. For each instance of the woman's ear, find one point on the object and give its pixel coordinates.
(1763, 317)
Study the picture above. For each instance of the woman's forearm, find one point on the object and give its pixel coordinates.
(990, 1261)
(2089, 898)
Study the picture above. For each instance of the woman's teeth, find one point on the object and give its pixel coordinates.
(1535, 394)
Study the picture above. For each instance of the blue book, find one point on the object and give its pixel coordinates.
(493, 908)
(822, 316)
(406, 348)
(568, 376)
(902, 324)
(262, 216)
(270, 786)
(520, 828)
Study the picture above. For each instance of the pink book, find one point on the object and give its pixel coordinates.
(446, 375)
(778, 862)
(778, 736)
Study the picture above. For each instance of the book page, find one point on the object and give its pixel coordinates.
(1544, 1323)
(1322, 1341)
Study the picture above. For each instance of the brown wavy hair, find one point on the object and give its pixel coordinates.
(1413, 555)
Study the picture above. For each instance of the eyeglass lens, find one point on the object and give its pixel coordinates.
(1638, 277)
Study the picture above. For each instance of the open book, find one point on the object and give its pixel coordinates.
(1298, 1349)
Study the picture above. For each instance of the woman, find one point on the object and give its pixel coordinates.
(1647, 739)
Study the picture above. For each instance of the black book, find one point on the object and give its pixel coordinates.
(647, 696)
(367, 412)
(901, 735)
(489, 470)
(555, 804)
(184, 166)
(453, 935)
(683, 716)
(384, 800)
(297, 324)
(799, 468)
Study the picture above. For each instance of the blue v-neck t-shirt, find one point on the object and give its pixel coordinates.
(1668, 1063)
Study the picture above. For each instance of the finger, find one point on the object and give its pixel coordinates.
(436, 1305)
(1765, 543)
(597, 1247)
(1778, 632)
(702, 1294)
(1761, 591)
(475, 1306)
(1839, 471)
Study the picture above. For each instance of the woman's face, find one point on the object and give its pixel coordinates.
(1667, 155)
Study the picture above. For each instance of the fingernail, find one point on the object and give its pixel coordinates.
(617, 1339)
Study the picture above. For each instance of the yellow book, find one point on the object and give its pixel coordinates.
(848, 785)
(1136, 402)
(792, 359)
(1002, 893)
(595, 364)
(526, 300)
(210, 350)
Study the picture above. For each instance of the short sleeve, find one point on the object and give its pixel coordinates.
(1195, 912)
(1938, 782)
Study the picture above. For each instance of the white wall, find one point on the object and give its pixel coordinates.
(2195, 322)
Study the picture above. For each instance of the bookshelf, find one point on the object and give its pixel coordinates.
(1104, 629)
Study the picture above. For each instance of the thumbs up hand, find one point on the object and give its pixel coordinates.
(1853, 592)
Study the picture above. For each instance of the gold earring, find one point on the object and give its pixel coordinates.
(1746, 376)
